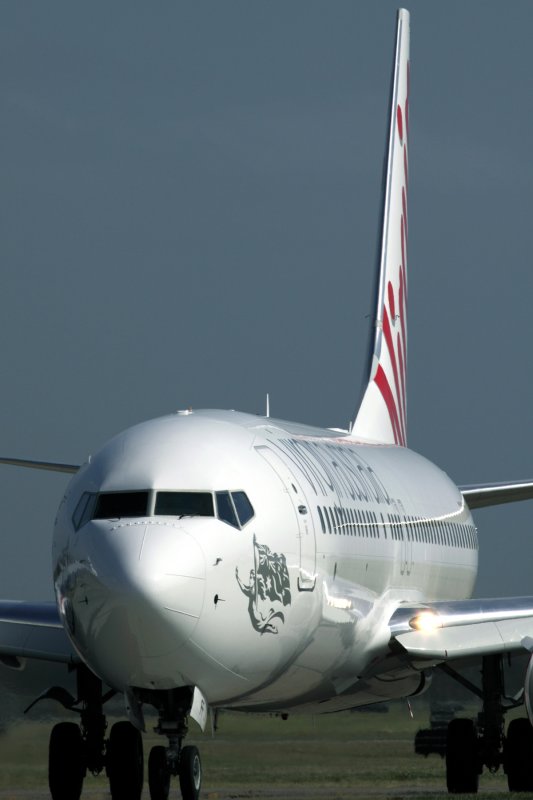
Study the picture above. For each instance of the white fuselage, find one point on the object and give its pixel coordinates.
(288, 610)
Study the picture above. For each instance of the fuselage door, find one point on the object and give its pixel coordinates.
(304, 518)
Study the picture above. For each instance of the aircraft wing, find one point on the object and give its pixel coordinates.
(441, 631)
(53, 466)
(493, 494)
(33, 630)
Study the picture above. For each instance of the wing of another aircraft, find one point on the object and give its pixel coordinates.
(53, 466)
(493, 494)
(33, 630)
(441, 631)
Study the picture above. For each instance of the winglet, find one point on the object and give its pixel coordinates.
(382, 415)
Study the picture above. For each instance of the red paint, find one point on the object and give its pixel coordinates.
(399, 122)
(402, 378)
(392, 354)
(392, 306)
(406, 171)
(383, 385)
(403, 309)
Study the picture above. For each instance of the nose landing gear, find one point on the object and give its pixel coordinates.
(159, 772)
(162, 765)
(174, 760)
(190, 771)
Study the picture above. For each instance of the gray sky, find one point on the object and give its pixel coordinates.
(190, 201)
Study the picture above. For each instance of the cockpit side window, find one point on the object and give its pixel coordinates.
(84, 510)
(113, 505)
(177, 504)
(226, 511)
(243, 507)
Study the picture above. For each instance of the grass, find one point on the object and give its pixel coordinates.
(332, 756)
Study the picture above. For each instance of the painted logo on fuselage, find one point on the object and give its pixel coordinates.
(269, 589)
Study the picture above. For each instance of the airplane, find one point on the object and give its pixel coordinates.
(215, 559)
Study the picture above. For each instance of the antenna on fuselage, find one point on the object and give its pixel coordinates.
(267, 405)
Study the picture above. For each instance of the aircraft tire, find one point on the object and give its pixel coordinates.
(462, 760)
(519, 755)
(124, 762)
(66, 766)
(190, 773)
(158, 773)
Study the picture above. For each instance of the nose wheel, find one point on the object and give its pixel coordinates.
(164, 762)
(190, 772)
(158, 773)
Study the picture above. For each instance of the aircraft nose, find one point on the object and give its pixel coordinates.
(158, 561)
(138, 597)
(159, 567)
(172, 563)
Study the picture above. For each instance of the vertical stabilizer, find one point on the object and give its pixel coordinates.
(382, 415)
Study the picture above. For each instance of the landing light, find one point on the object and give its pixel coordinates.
(426, 621)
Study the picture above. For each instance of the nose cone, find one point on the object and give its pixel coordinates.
(172, 571)
(135, 599)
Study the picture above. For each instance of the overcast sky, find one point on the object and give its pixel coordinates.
(190, 200)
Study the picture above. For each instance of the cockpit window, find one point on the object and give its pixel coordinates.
(178, 504)
(243, 507)
(113, 505)
(231, 507)
(84, 510)
(226, 511)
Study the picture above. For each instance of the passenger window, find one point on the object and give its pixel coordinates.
(243, 507)
(184, 504)
(113, 505)
(225, 509)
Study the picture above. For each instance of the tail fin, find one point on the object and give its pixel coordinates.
(382, 415)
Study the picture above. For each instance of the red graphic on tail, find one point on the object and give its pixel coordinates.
(394, 312)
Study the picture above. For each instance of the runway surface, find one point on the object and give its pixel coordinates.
(280, 793)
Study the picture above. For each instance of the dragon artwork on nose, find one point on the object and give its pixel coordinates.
(269, 589)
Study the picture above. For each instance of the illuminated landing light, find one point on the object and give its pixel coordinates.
(426, 621)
